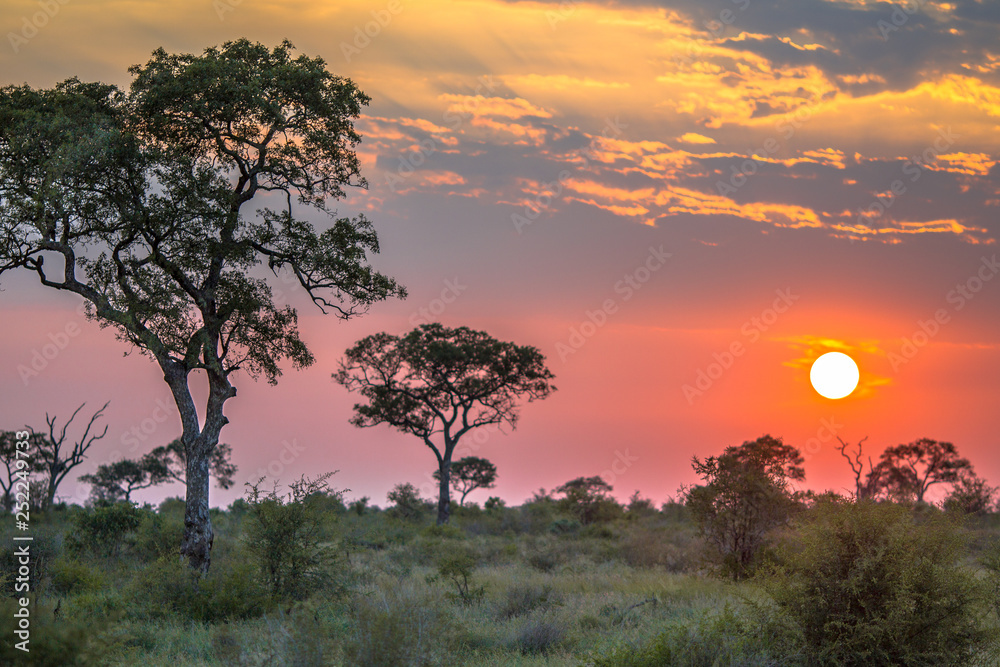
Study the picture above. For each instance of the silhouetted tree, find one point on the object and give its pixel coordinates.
(436, 382)
(141, 198)
(173, 459)
(971, 494)
(865, 486)
(470, 473)
(747, 492)
(57, 457)
(906, 472)
(116, 481)
(406, 501)
(588, 499)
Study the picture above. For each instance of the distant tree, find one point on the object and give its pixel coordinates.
(639, 506)
(406, 501)
(57, 457)
(116, 481)
(470, 473)
(746, 493)
(173, 459)
(438, 384)
(12, 470)
(864, 486)
(906, 472)
(588, 499)
(141, 197)
(971, 494)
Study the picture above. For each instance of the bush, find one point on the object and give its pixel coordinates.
(868, 584)
(104, 531)
(711, 640)
(456, 565)
(54, 642)
(400, 628)
(72, 576)
(228, 592)
(539, 636)
(158, 535)
(285, 537)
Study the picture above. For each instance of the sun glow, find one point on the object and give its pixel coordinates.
(834, 375)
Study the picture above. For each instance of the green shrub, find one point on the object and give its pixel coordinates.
(445, 530)
(158, 535)
(230, 591)
(71, 576)
(54, 641)
(564, 527)
(868, 584)
(285, 536)
(43, 551)
(104, 531)
(456, 565)
(539, 636)
(710, 640)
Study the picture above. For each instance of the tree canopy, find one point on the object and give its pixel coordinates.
(439, 383)
(140, 197)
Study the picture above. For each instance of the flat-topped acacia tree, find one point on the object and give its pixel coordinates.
(140, 197)
(439, 383)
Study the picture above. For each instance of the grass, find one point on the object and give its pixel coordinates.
(596, 596)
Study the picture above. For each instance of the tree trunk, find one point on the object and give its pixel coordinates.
(199, 443)
(196, 544)
(444, 492)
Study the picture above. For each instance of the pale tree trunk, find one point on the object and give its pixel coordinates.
(199, 443)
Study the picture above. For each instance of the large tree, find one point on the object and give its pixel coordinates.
(907, 471)
(470, 473)
(746, 493)
(438, 384)
(143, 198)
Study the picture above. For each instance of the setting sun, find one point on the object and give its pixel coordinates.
(834, 375)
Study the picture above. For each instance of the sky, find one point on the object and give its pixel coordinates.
(682, 204)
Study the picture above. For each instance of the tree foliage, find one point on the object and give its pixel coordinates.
(905, 472)
(470, 473)
(746, 493)
(438, 384)
(140, 197)
(588, 499)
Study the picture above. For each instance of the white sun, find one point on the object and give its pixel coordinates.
(834, 375)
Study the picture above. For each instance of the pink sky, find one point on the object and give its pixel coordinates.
(514, 115)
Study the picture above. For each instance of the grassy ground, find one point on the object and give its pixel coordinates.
(532, 597)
